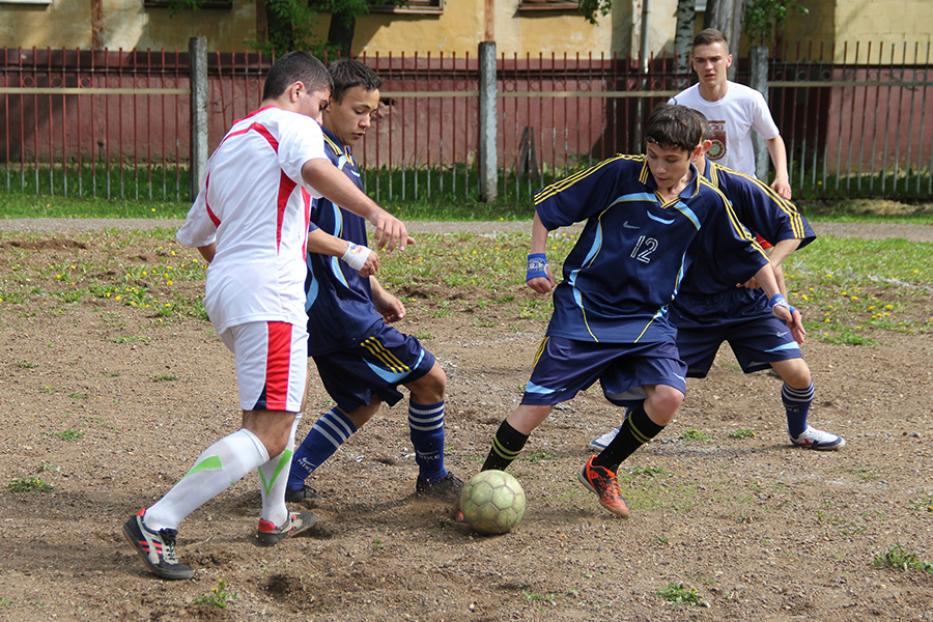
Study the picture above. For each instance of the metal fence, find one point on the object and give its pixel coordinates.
(858, 121)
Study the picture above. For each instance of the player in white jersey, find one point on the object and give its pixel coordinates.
(733, 110)
(250, 222)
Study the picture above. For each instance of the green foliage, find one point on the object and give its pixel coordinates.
(29, 484)
(590, 9)
(899, 558)
(693, 434)
(742, 433)
(219, 597)
(762, 17)
(70, 435)
(678, 593)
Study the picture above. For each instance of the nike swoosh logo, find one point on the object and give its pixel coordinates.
(781, 334)
(628, 226)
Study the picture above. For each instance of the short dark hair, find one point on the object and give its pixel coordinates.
(708, 36)
(670, 125)
(296, 67)
(347, 73)
(704, 123)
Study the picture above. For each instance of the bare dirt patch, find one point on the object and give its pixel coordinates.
(762, 531)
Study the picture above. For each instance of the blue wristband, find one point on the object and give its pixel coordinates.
(537, 266)
(778, 300)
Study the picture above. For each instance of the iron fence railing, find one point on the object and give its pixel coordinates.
(857, 119)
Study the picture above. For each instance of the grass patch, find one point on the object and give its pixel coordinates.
(23, 205)
(899, 558)
(132, 339)
(70, 435)
(694, 435)
(165, 378)
(220, 597)
(678, 593)
(26, 365)
(539, 455)
(742, 433)
(850, 290)
(29, 484)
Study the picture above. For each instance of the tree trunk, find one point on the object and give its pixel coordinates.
(726, 16)
(340, 33)
(686, 17)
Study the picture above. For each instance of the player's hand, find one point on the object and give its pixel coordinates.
(391, 232)
(781, 185)
(361, 258)
(371, 266)
(790, 316)
(389, 307)
(538, 276)
(751, 283)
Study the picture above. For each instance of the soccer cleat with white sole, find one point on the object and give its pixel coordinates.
(157, 549)
(601, 442)
(297, 522)
(811, 438)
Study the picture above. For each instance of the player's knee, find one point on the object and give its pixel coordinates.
(663, 403)
(431, 387)
(795, 373)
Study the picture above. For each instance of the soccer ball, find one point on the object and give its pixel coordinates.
(492, 502)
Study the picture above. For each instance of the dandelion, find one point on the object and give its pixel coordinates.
(107, 294)
(854, 299)
(889, 307)
(804, 297)
(145, 274)
(172, 253)
(118, 297)
(152, 209)
(870, 308)
(170, 282)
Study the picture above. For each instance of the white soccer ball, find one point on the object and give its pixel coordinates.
(493, 502)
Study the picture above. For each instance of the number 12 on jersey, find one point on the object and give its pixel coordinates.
(643, 249)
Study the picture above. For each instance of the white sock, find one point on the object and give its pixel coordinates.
(273, 475)
(222, 464)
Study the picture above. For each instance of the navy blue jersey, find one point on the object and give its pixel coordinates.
(339, 305)
(760, 209)
(628, 263)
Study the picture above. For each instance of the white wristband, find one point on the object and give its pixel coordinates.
(356, 256)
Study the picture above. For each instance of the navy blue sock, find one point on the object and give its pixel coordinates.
(426, 425)
(797, 404)
(328, 433)
(636, 430)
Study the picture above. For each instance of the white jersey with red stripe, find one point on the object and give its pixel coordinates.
(255, 207)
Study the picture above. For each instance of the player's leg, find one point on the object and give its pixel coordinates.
(764, 342)
(426, 416)
(562, 368)
(655, 373)
(327, 434)
(697, 345)
(797, 396)
(347, 379)
(264, 365)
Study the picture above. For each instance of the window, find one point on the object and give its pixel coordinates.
(548, 5)
(410, 6)
(204, 4)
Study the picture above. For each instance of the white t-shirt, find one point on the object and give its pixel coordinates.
(255, 206)
(731, 120)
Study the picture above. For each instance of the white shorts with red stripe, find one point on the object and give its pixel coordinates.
(271, 364)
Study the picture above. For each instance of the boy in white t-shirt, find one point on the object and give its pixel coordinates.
(250, 221)
(733, 111)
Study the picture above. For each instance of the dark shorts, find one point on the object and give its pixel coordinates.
(756, 336)
(375, 367)
(564, 367)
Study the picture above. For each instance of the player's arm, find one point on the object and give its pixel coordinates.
(324, 177)
(778, 152)
(358, 257)
(779, 305)
(389, 307)
(538, 275)
(207, 252)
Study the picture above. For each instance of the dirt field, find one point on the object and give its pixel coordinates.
(110, 406)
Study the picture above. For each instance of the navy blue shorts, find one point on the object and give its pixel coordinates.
(374, 367)
(564, 367)
(756, 336)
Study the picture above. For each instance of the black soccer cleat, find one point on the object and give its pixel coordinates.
(303, 494)
(447, 488)
(157, 550)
